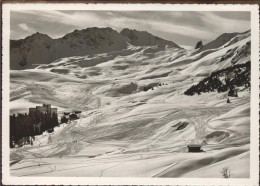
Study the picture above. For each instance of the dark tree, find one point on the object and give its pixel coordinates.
(228, 101)
(24, 127)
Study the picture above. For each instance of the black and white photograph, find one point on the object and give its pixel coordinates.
(123, 92)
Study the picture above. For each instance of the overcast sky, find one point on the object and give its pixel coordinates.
(184, 28)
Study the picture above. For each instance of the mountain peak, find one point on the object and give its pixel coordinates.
(97, 29)
(143, 38)
(91, 31)
(128, 30)
(38, 35)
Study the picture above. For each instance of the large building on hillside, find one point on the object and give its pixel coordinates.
(45, 108)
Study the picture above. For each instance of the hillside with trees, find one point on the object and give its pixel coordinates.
(224, 80)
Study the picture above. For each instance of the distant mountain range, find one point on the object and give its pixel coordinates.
(42, 49)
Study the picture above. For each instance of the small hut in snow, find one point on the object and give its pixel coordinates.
(194, 148)
(73, 116)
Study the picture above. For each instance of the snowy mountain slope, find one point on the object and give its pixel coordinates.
(136, 115)
(142, 38)
(167, 61)
(41, 49)
(220, 41)
(219, 58)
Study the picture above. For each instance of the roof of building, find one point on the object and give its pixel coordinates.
(194, 145)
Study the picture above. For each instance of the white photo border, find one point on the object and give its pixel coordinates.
(254, 109)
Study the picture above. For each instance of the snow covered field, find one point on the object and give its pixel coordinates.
(127, 132)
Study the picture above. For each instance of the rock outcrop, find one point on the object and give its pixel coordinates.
(199, 45)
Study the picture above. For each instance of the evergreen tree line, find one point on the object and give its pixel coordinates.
(24, 127)
(220, 82)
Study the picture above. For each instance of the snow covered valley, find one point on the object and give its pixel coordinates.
(136, 120)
